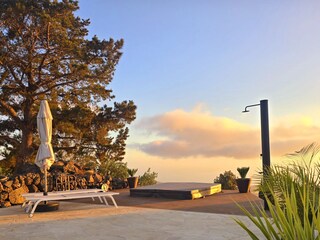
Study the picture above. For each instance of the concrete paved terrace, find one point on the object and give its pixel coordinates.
(136, 218)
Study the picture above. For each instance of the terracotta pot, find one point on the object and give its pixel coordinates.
(243, 184)
(133, 182)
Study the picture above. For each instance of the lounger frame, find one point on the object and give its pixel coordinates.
(34, 200)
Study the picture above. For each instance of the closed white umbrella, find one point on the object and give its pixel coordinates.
(45, 156)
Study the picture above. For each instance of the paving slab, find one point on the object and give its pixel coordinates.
(136, 218)
(225, 202)
(122, 223)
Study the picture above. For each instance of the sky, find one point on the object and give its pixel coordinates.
(191, 67)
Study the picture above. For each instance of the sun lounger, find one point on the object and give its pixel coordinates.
(33, 201)
(36, 194)
(87, 190)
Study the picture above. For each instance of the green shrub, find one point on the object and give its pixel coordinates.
(292, 195)
(5, 171)
(148, 178)
(7, 166)
(115, 169)
(227, 180)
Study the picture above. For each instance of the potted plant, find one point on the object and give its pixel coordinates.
(132, 179)
(243, 182)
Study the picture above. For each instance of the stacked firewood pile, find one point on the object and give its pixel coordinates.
(61, 176)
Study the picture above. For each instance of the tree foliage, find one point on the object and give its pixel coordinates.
(46, 54)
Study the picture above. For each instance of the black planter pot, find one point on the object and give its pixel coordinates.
(132, 182)
(243, 184)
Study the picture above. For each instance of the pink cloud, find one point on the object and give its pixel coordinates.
(184, 134)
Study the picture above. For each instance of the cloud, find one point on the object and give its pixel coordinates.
(198, 133)
(292, 133)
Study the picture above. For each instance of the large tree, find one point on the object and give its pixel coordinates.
(45, 54)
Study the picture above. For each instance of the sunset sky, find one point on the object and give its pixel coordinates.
(192, 66)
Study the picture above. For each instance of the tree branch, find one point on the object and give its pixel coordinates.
(8, 139)
(54, 86)
(11, 112)
(64, 148)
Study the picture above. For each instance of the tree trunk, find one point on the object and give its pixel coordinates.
(26, 150)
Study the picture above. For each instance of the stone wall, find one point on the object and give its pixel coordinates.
(12, 188)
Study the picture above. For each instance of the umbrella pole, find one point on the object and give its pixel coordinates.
(45, 182)
(47, 206)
